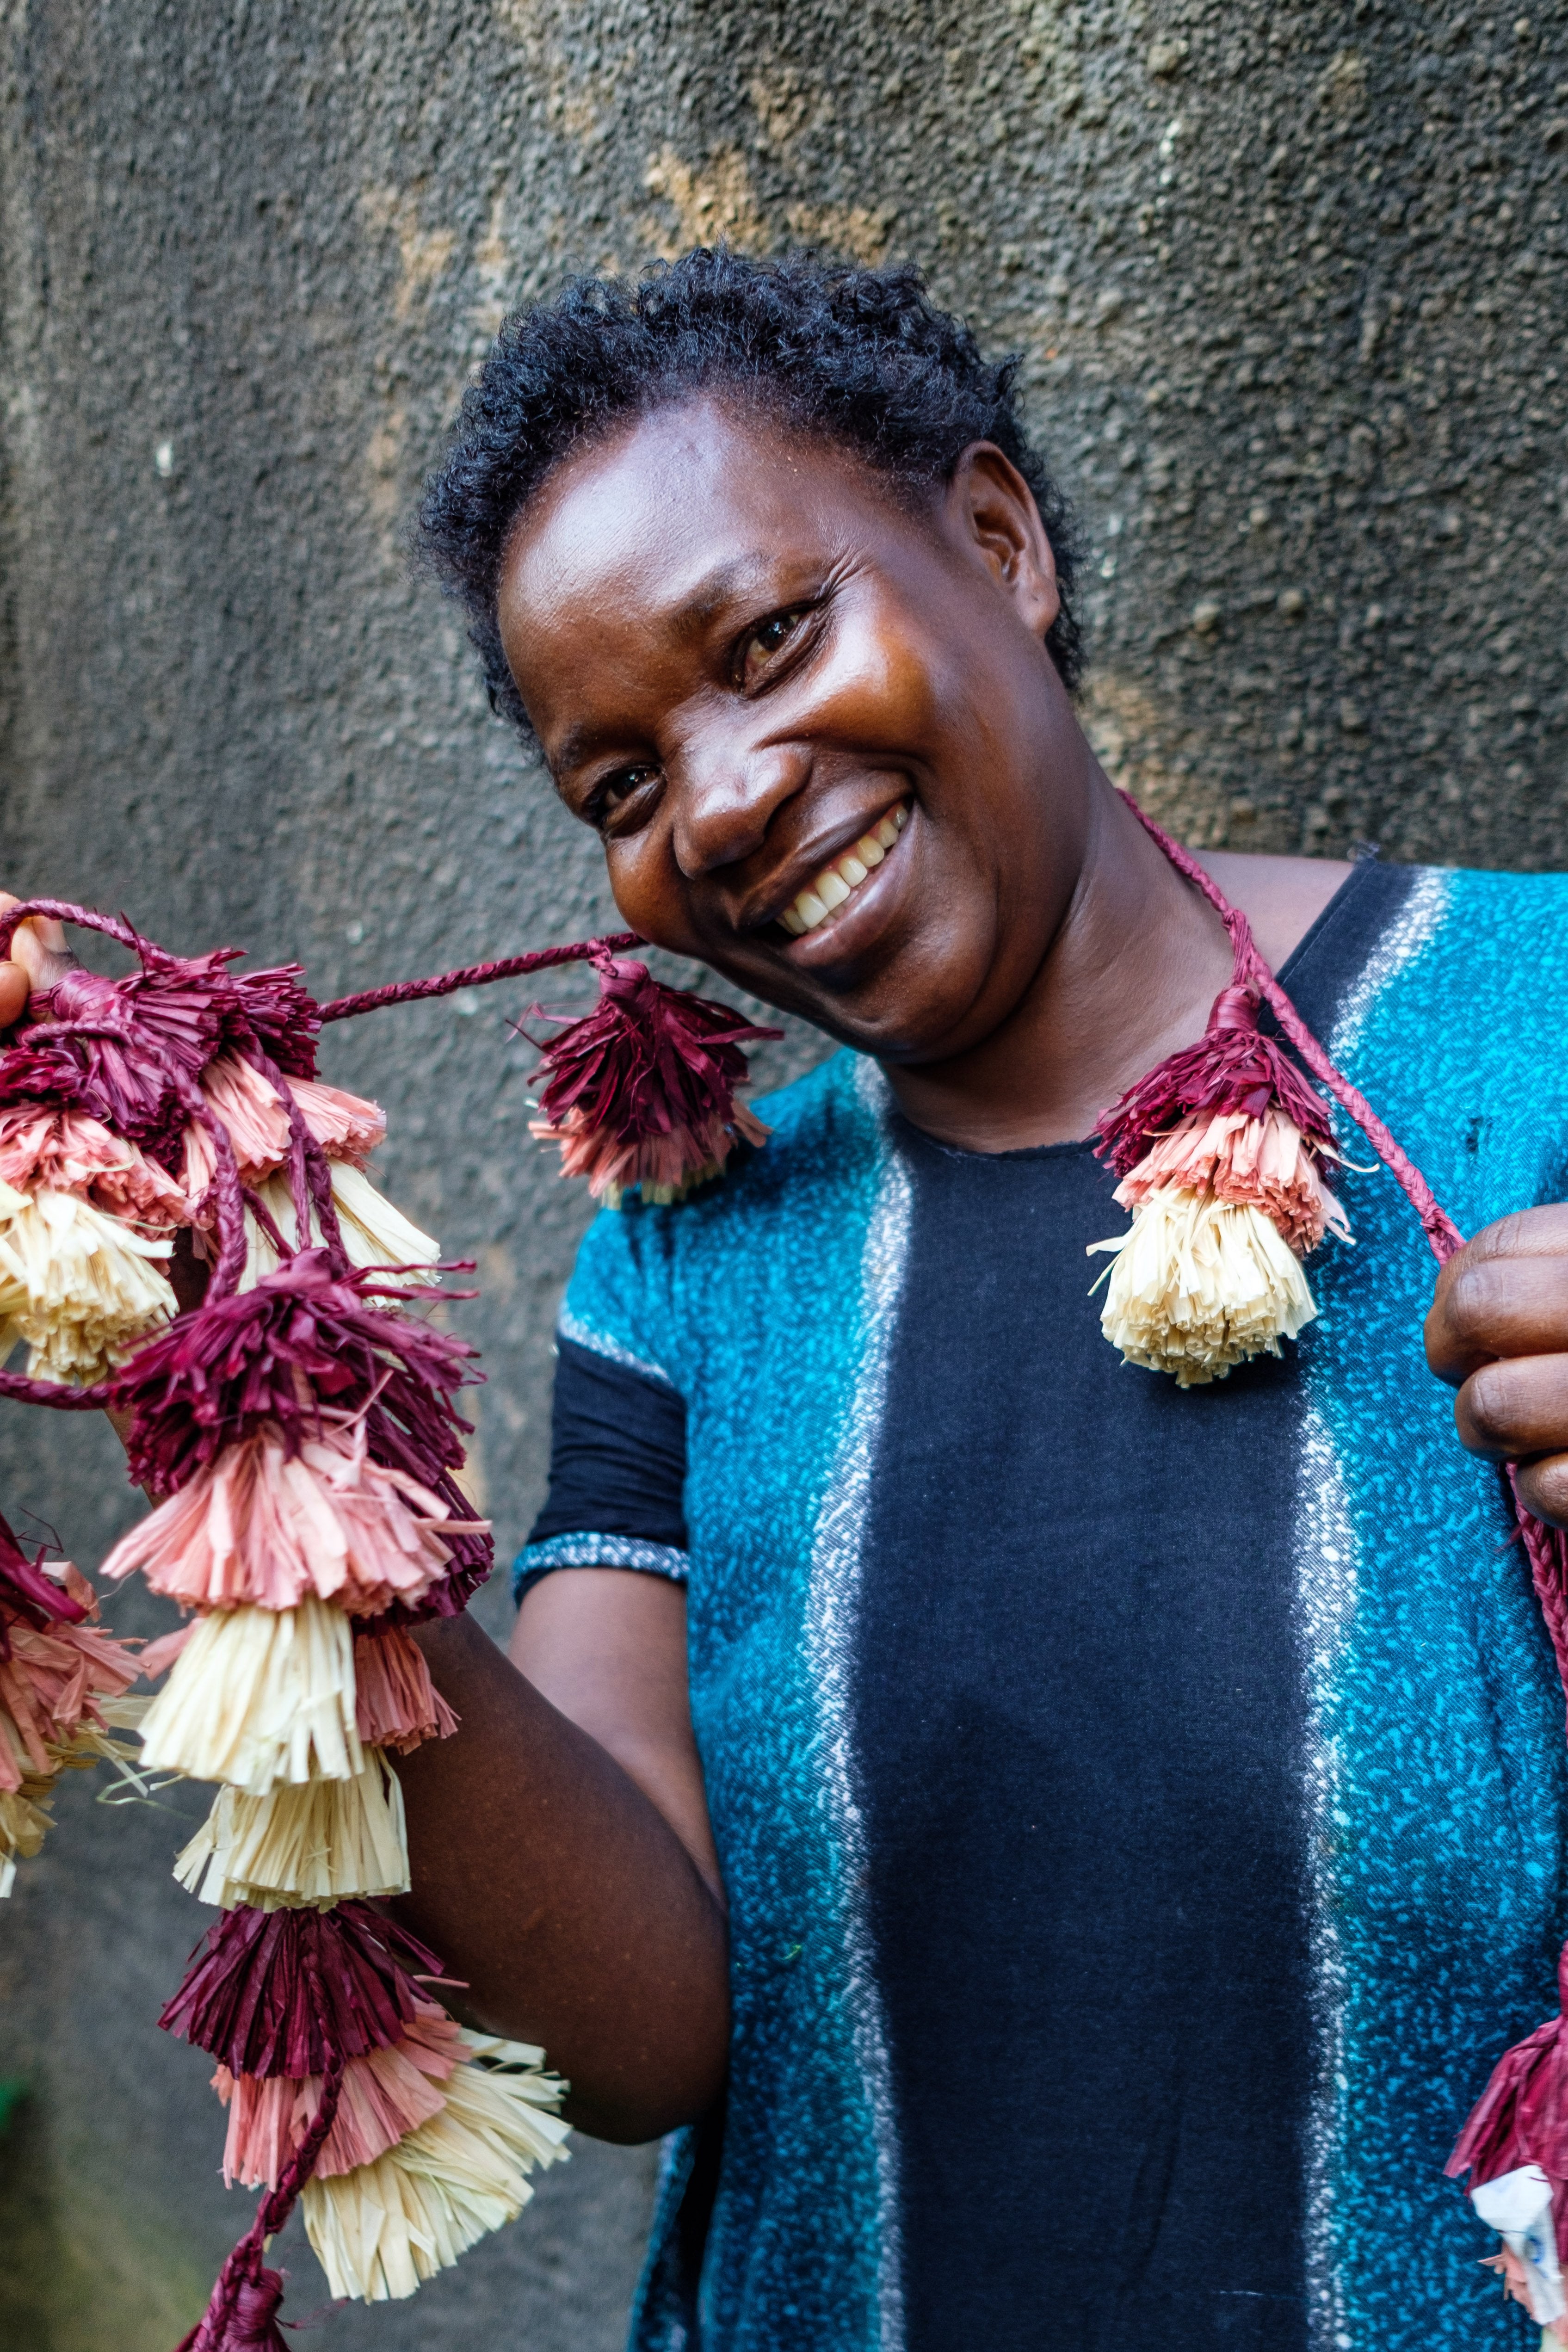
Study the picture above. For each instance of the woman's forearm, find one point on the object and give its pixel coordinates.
(550, 1883)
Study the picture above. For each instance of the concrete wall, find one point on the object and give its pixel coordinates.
(1290, 286)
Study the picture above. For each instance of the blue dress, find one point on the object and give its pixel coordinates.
(1141, 1810)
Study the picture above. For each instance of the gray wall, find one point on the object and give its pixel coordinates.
(1289, 286)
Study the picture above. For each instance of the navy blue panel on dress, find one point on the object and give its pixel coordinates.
(1078, 1723)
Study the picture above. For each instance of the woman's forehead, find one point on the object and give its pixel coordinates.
(686, 509)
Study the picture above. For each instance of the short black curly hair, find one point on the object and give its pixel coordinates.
(859, 357)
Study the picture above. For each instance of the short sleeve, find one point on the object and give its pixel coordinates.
(617, 1472)
(617, 1456)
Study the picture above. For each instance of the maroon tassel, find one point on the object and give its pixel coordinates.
(116, 1048)
(641, 1091)
(301, 1337)
(1233, 1067)
(277, 1992)
(26, 1593)
(1522, 2117)
(249, 2324)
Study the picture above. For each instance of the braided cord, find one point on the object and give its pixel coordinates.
(475, 975)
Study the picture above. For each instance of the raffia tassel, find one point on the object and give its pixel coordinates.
(257, 1528)
(386, 2094)
(641, 1092)
(77, 1285)
(1522, 2117)
(64, 1150)
(260, 1696)
(1198, 1286)
(319, 1842)
(253, 1111)
(399, 1706)
(374, 1232)
(1266, 1160)
(382, 2230)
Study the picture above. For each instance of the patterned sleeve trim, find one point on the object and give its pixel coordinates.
(586, 1549)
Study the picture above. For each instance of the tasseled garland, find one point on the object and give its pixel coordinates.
(301, 1430)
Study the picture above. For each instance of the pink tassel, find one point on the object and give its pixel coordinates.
(398, 1705)
(1522, 2117)
(642, 1090)
(385, 2095)
(67, 1152)
(252, 1110)
(346, 1126)
(256, 1528)
(1234, 1067)
(280, 1993)
(160, 1655)
(250, 1107)
(1266, 1162)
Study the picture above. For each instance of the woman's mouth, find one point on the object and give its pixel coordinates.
(838, 883)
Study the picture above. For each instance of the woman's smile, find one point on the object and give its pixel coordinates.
(843, 878)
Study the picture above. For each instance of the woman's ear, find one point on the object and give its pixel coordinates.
(991, 512)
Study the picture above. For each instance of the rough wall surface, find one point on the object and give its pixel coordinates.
(1290, 287)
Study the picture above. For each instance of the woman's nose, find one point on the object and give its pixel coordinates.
(726, 795)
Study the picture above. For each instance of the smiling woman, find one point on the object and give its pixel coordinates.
(1056, 1848)
(1117, 1915)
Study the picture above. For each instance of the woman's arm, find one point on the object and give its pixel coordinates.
(563, 1864)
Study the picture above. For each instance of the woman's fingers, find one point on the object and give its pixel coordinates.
(1515, 1408)
(1543, 1489)
(1505, 1294)
(1498, 1332)
(38, 958)
(15, 990)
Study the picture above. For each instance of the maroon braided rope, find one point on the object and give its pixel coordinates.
(1545, 1546)
(475, 975)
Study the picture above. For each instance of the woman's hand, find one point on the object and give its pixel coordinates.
(1498, 1332)
(38, 958)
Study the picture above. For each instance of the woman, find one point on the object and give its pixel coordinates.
(1059, 1850)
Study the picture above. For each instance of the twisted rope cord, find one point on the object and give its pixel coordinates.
(244, 2266)
(475, 975)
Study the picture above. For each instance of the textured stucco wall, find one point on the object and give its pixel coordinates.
(1289, 285)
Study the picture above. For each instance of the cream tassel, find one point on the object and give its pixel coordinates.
(1200, 1285)
(375, 1232)
(316, 1842)
(258, 1696)
(77, 1285)
(382, 2230)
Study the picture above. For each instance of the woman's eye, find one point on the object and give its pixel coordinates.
(768, 639)
(615, 791)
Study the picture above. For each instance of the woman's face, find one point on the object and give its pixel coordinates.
(818, 732)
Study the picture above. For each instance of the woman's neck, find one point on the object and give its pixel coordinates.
(1128, 977)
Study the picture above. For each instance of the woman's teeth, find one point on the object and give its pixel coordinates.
(830, 889)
